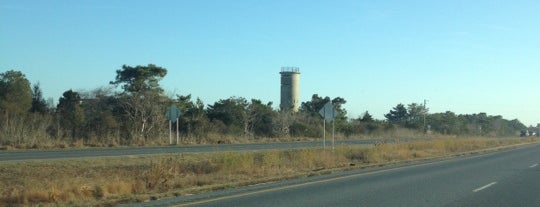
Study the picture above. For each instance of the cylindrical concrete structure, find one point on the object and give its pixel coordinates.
(290, 80)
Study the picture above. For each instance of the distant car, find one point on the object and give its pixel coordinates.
(524, 133)
(527, 133)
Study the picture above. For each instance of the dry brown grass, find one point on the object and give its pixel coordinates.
(107, 181)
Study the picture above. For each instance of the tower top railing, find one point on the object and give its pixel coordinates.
(290, 69)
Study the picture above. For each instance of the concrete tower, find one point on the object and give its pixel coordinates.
(290, 79)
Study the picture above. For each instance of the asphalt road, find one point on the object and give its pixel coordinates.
(134, 151)
(505, 178)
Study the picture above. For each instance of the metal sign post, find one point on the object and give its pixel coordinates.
(172, 115)
(170, 132)
(328, 112)
(324, 133)
(333, 132)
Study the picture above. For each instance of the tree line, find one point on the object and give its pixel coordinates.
(132, 111)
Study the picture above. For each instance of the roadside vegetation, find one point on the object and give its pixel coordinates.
(110, 181)
(130, 110)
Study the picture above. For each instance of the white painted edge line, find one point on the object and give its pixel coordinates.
(533, 165)
(484, 187)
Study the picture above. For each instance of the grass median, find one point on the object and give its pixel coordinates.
(114, 180)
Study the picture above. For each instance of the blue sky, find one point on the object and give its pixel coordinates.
(463, 56)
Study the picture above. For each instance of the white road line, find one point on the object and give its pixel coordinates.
(533, 165)
(484, 187)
